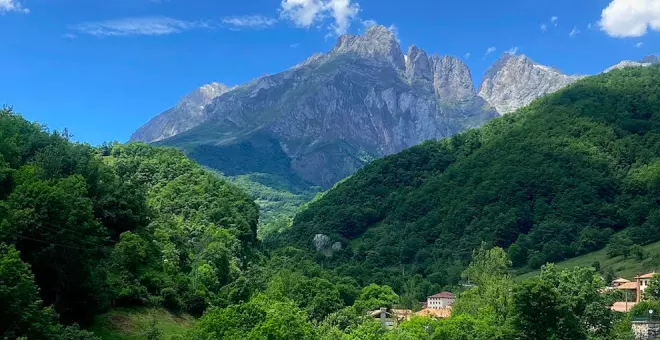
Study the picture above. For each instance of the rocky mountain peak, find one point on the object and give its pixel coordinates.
(514, 81)
(651, 59)
(452, 80)
(418, 64)
(377, 42)
(186, 114)
(203, 95)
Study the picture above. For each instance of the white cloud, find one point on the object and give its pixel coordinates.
(544, 28)
(305, 13)
(468, 55)
(513, 50)
(639, 44)
(630, 18)
(554, 20)
(490, 50)
(575, 31)
(395, 30)
(295, 45)
(368, 23)
(344, 11)
(12, 6)
(137, 26)
(250, 21)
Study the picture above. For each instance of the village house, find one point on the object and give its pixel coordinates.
(616, 283)
(391, 317)
(440, 300)
(634, 291)
(438, 306)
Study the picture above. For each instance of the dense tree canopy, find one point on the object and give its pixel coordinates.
(109, 226)
(550, 181)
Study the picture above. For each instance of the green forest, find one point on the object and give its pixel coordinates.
(574, 172)
(88, 230)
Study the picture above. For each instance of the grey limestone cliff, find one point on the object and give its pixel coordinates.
(515, 81)
(326, 117)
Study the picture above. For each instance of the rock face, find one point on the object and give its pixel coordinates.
(328, 116)
(515, 81)
(188, 113)
(646, 61)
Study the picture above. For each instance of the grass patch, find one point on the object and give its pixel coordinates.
(626, 268)
(132, 323)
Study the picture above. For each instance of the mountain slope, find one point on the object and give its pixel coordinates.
(549, 181)
(188, 113)
(329, 116)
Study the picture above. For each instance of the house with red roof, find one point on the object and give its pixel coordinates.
(440, 300)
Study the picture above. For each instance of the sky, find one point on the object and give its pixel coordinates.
(103, 68)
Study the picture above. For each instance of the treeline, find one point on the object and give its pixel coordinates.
(294, 298)
(551, 181)
(84, 229)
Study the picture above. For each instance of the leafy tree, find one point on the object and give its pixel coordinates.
(21, 309)
(652, 292)
(536, 310)
(374, 296)
(620, 245)
(260, 318)
(489, 299)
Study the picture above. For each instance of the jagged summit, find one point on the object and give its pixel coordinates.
(513, 81)
(377, 42)
(417, 64)
(326, 117)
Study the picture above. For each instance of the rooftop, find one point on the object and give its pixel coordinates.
(628, 285)
(620, 280)
(622, 306)
(445, 295)
(645, 276)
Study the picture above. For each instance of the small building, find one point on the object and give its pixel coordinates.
(391, 317)
(616, 283)
(644, 280)
(440, 300)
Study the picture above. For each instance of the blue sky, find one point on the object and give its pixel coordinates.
(103, 68)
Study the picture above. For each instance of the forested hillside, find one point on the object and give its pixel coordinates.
(553, 180)
(84, 229)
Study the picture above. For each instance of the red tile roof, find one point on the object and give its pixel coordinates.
(445, 295)
(628, 285)
(646, 276)
(623, 307)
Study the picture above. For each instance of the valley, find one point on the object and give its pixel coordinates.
(365, 193)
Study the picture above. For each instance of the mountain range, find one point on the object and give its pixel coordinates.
(323, 119)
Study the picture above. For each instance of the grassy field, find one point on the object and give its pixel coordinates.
(131, 324)
(626, 268)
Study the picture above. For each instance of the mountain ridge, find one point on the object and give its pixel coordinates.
(336, 111)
